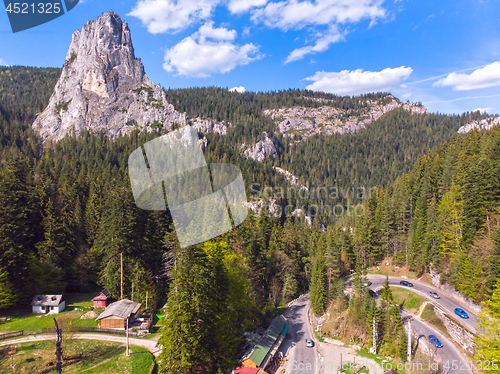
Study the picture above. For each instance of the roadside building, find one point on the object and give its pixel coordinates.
(115, 316)
(243, 370)
(42, 304)
(263, 352)
(103, 299)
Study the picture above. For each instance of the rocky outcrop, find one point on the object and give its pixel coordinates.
(294, 181)
(271, 208)
(210, 125)
(103, 87)
(260, 150)
(450, 290)
(484, 124)
(306, 121)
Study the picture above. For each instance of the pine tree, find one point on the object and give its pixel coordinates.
(386, 294)
(450, 228)
(19, 222)
(488, 340)
(52, 248)
(494, 262)
(7, 295)
(318, 291)
(201, 330)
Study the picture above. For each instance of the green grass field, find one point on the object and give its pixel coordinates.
(76, 305)
(408, 299)
(80, 356)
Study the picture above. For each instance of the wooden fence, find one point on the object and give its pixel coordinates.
(11, 334)
(74, 329)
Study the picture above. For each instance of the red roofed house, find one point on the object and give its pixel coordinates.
(243, 370)
(103, 299)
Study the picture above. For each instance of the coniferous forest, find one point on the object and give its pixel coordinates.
(68, 213)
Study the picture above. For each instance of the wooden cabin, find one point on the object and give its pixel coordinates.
(103, 299)
(116, 314)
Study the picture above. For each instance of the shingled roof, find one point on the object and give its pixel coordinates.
(122, 309)
(106, 294)
(47, 300)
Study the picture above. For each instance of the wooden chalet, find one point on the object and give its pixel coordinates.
(116, 315)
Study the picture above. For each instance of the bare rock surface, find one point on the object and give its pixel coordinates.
(260, 149)
(306, 121)
(484, 124)
(210, 125)
(103, 87)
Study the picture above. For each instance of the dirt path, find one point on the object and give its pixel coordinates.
(150, 345)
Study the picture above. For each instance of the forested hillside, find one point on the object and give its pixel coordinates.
(367, 158)
(68, 213)
(444, 214)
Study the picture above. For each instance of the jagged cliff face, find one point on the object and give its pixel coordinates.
(303, 122)
(104, 88)
(484, 124)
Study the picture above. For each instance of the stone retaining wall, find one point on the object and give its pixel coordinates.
(460, 335)
(436, 281)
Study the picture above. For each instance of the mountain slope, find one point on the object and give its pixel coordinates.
(103, 87)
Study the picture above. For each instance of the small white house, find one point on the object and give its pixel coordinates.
(43, 304)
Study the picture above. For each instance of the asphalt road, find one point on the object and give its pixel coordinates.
(445, 302)
(301, 359)
(449, 354)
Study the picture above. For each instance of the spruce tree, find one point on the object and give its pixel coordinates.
(318, 290)
(488, 340)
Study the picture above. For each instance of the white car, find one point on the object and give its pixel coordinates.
(434, 295)
(309, 343)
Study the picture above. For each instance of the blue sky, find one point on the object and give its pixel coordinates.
(445, 54)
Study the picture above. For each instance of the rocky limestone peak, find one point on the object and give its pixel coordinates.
(260, 150)
(484, 124)
(102, 55)
(103, 87)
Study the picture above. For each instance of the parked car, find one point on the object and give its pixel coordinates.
(309, 343)
(372, 293)
(435, 341)
(367, 284)
(461, 313)
(434, 295)
(405, 283)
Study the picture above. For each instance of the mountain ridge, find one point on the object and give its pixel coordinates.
(104, 87)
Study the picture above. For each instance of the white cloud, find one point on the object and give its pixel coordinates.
(406, 95)
(241, 6)
(172, 15)
(2, 62)
(483, 110)
(358, 81)
(323, 42)
(207, 31)
(294, 14)
(209, 50)
(239, 89)
(487, 76)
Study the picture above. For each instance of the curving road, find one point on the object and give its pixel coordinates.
(448, 353)
(301, 359)
(446, 302)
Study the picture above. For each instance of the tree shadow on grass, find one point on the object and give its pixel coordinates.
(90, 353)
